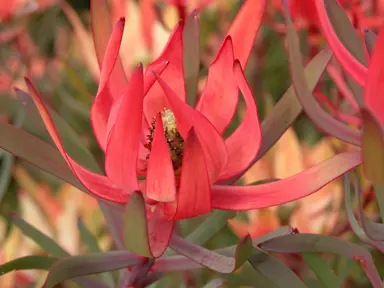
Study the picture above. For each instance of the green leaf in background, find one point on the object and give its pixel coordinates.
(350, 214)
(274, 270)
(314, 111)
(89, 239)
(45, 242)
(349, 38)
(191, 56)
(212, 259)
(374, 231)
(28, 263)
(135, 226)
(215, 283)
(210, 226)
(91, 242)
(298, 243)
(7, 161)
(370, 39)
(373, 148)
(345, 30)
(379, 193)
(324, 274)
(76, 266)
(288, 108)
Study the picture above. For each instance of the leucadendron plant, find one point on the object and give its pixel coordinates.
(168, 162)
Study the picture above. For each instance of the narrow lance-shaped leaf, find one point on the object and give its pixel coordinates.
(191, 56)
(213, 260)
(342, 39)
(274, 270)
(314, 111)
(324, 273)
(7, 159)
(379, 192)
(76, 266)
(350, 213)
(370, 39)
(372, 148)
(88, 238)
(45, 242)
(375, 80)
(135, 226)
(93, 246)
(374, 231)
(28, 263)
(298, 243)
(210, 226)
(183, 263)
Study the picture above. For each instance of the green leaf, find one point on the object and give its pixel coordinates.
(213, 224)
(370, 39)
(274, 270)
(373, 233)
(45, 242)
(93, 246)
(135, 226)
(379, 192)
(351, 216)
(350, 40)
(288, 108)
(191, 56)
(345, 30)
(312, 108)
(213, 260)
(88, 238)
(321, 269)
(372, 148)
(7, 161)
(299, 243)
(215, 283)
(76, 266)
(28, 263)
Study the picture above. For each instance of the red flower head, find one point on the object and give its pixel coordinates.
(146, 128)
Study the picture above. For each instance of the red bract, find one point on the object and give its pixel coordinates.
(147, 129)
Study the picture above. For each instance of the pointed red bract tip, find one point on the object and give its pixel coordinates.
(139, 66)
(13, 214)
(122, 20)
(195, 13)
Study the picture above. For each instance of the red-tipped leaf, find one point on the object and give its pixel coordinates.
(286, 190)
(97, 184)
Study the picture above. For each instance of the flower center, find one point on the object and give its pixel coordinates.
(174, 140)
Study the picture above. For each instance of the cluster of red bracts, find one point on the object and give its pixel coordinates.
(153, 103)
